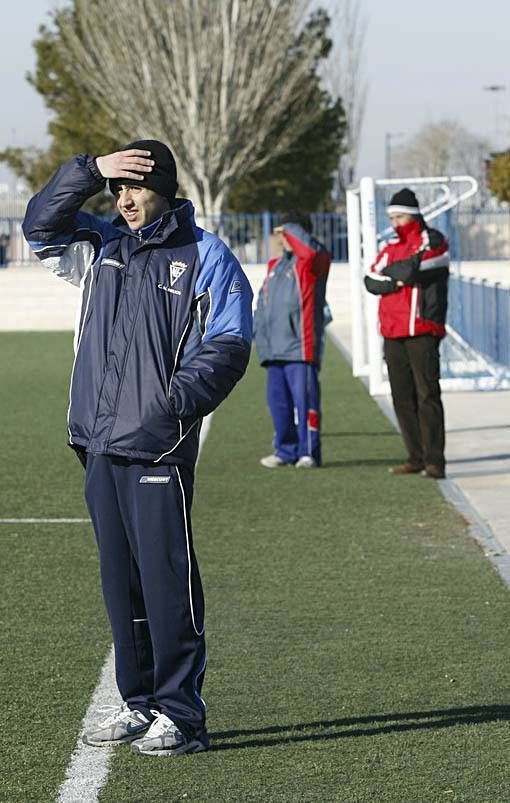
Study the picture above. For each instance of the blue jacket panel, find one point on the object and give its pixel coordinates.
(289, 319)
(164, 325)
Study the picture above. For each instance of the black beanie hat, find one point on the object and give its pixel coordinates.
(163, 176)
(297, 216)
(403, 202)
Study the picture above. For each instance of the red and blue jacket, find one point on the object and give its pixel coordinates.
(164, 325)
(411, 276)
(289, 319)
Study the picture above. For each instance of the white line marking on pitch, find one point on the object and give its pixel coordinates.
(89, 766)
(88, 769)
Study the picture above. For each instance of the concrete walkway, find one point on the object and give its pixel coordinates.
(477, 423)
(32, 299)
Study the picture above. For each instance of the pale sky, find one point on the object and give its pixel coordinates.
(423, 62)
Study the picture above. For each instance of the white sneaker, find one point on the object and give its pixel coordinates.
(165, 739)
(306, 462)
(121, 725)
(273, 461)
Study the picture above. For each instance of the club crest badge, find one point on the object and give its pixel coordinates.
(176, 270)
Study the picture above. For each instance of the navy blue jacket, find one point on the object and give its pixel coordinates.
(164, 326)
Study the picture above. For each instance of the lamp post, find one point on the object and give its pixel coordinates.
(495, 90)
(390, 136)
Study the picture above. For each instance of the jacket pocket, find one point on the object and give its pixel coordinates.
(294, 324)
(108, 262)
(434, 302)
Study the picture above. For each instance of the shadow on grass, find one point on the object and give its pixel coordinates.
(349, 434)
(370, 461)
(348, 728)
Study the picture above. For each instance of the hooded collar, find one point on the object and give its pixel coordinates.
(160, 230)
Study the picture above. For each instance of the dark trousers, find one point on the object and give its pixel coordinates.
(413, 370)
(151, 585)
(293, 396)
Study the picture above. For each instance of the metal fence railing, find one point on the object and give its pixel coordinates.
(480, 313)
(474, 233)
(478, 234)
(248, 235)
(14, 249)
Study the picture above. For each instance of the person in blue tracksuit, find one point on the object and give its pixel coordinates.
(163, 334)
(289, 329)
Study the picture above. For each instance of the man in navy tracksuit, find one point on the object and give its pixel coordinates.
(163, 334)
(289, 328)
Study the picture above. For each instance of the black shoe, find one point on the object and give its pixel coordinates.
(434, 472)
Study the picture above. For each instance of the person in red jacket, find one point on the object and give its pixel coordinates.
(411, 276)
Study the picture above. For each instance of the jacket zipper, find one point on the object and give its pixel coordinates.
(146, 242)
(126, 356)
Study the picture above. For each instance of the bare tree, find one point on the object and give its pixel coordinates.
(212, 78)
(343, 78)
(443, 148)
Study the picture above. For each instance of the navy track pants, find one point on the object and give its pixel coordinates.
(151, 584)
(293, 396)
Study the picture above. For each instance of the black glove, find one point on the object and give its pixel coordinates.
(404, 270)
(380, 285)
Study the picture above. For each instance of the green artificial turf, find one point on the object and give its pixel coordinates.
(54, 631)
(357, 636)
(358, 639)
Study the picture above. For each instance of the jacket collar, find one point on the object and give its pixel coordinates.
(409, 231)
(160, 230)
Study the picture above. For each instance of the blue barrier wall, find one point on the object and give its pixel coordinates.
(480, 314)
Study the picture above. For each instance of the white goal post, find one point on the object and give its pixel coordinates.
(363, 206)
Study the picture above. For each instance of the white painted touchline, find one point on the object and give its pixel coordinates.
(88, 768)
(44, 521)
(203, 435)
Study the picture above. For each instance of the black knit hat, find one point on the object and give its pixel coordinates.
(404, 202)
(163, 176)
(298, 216)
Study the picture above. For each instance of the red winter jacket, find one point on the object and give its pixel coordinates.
(418, 257)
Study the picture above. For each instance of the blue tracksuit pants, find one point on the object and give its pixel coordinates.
(293, 396)
(151, 584)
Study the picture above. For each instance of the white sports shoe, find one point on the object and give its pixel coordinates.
(273, 461)
(306, 462)
(165, 739)
(121, 725)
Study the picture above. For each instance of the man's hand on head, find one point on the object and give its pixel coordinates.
(125, 164)
(279, 239)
